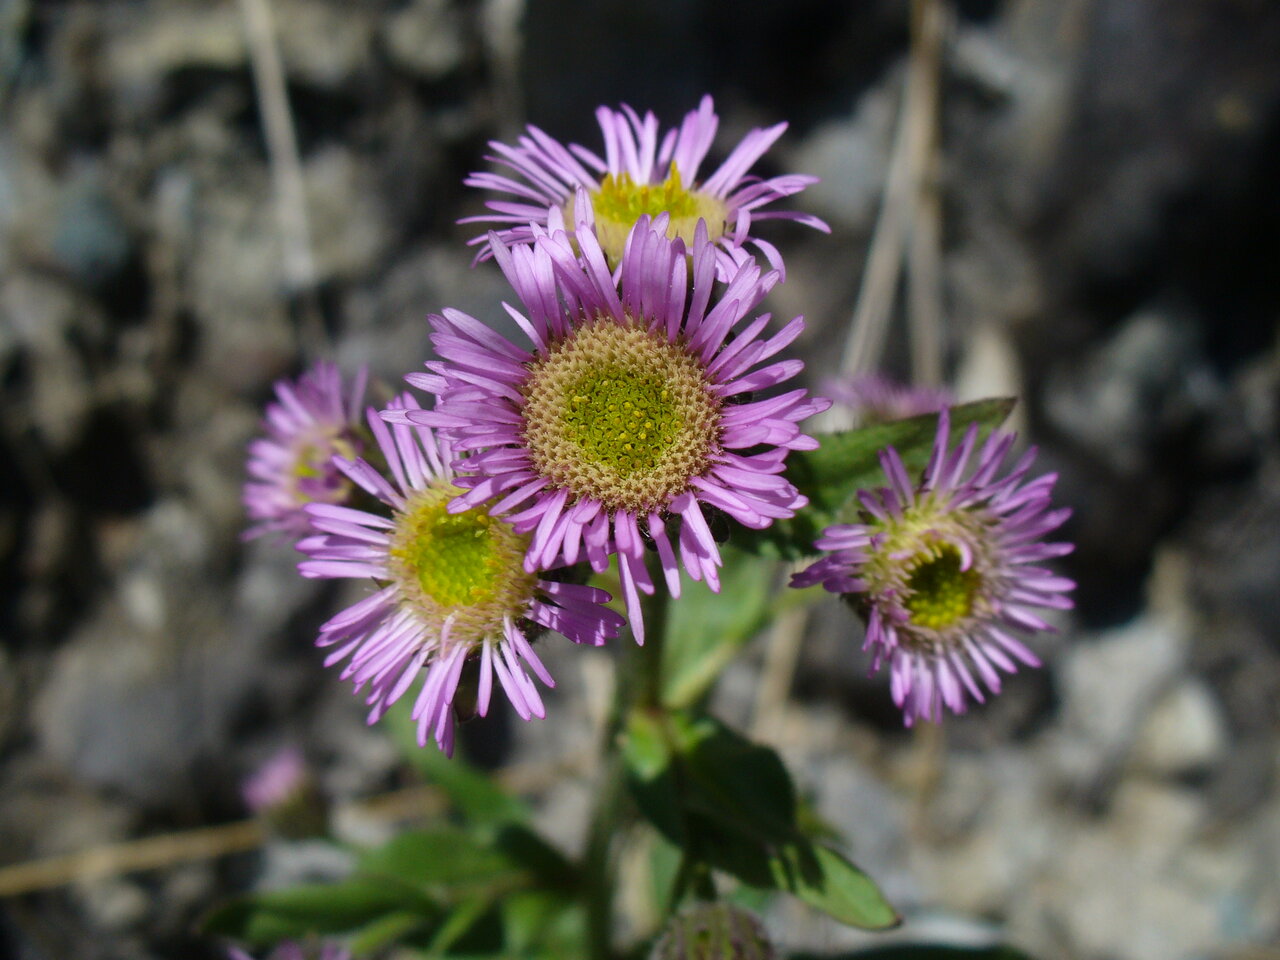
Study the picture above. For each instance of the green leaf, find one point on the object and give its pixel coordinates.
(848, 461)
(534, 918)
(464, 923)
(389, 929)
(730, 778)
(828, 882)
(317, 909)
(651, 773)
(730, 804)
(439, 857)
(705, 630)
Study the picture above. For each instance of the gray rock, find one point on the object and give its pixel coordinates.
(851, 158)
(90, 241)
(425, 37)
(1107, 686)
(1146, 382)
(1184, 732)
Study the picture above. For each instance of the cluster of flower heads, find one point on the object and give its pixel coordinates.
(645, 402)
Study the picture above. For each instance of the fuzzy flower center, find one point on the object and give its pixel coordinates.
(313, 476)
(466, 565)
(941, 593)
(620, 201)
(918, 566)
(617, 413)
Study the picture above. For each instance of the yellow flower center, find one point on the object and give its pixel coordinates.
(619, 202)
(469, 565)
(941, 594)
(918, 560)
(312, 461)
(618, 413)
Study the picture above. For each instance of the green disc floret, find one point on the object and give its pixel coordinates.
(623, 418)
(940, 592)
(465, 565)
(618, 413)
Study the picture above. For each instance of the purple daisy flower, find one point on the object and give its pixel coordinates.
(279, 780)
(314, 418)
(455, 602)
(942, 571)
(874, 398)
(636, 404)
(638, 175)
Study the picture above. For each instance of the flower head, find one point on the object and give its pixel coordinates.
(873, 398)
(639, 175)
(278, 781)
(454, 598)
(714, 931)
(943, 571)
(312, 419)
(636, 405)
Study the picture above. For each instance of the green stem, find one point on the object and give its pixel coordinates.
(639, 684)
(655, 620)
(598, 864)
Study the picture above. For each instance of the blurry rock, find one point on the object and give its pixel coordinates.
(326, 43)
(426, 38)
(236, 282)
(1108, 684)
(42, 319)
(1146, 385)
(348, 227)
(851, 158)
(140, 699)
(90, 242)
(114, 903)
(152, 40)
(1184, 732)
(321, 43)
(863, 809)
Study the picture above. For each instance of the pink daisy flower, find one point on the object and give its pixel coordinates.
(312, 419)
(279, 780)
(942, 571)
(455, 603)
(641, 175)
(635, 407)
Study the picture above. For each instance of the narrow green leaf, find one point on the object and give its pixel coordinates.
(316, 909)
(463, 920)
(848, 461)
(530, 916)
(828, 882)
(439, 857)
(706, 630)
(388, 930)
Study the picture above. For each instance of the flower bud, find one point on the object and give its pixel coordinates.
(714, 931)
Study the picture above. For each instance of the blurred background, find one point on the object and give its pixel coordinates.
(196, 197)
